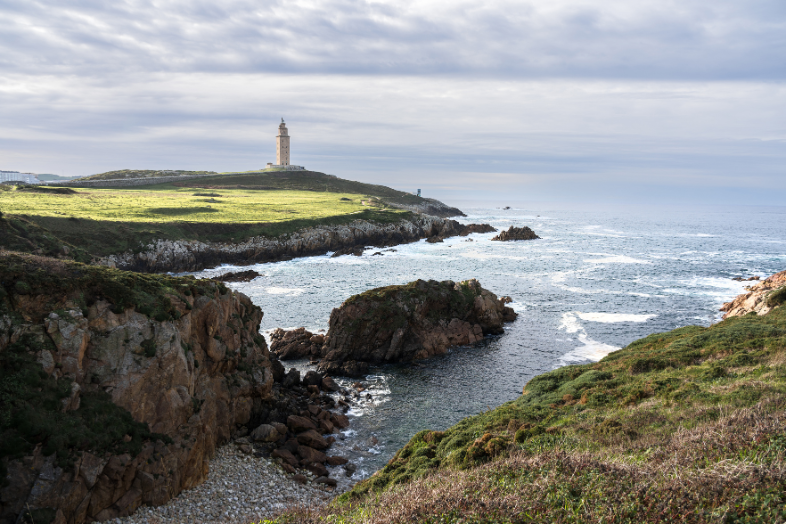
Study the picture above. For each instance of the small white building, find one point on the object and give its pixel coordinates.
(16, 176)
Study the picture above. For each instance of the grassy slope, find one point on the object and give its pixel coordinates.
(107, 221)
(684, 426)
(140, 173)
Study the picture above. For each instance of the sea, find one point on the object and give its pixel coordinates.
(599, 278)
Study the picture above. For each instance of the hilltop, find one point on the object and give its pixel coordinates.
(683, 426)
(217, 217)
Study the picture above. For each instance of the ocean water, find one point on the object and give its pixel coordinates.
(598, 279)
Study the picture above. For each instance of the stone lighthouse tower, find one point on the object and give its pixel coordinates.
(282, 145)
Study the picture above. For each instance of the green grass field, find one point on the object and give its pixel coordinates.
(83, 222)
(169, 203)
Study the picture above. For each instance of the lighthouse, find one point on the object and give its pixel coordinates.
(282, 145)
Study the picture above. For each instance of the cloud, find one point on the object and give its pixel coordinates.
(560, 99)
(652, 39)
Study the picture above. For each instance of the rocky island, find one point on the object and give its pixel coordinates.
(415, 321)
(516, 233)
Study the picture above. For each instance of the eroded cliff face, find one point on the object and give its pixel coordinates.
(192, 255)
(399, 323)
(760, 298)
(193, 374)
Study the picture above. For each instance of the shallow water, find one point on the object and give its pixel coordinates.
(596, 281)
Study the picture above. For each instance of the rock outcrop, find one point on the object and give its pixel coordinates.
(193, 255)
(238, 276)
(516, 233)
(295, 344)
(116, 388)
(400, 323)
(760, 298)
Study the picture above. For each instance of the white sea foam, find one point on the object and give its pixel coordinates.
(589, 350)
(612, 318)
(616, 259)
(288, 291)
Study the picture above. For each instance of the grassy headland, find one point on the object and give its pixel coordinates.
(684, 426)
(97, 222)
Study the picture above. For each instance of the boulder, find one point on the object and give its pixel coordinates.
(295, 344)
(409, 322)
(291, 379)
(298, 424)
(325, 480)
(281, 428)
(310, 454)
(336, 461)
(265, 433)
(286, 456)
(328, 384)
(312, 378)
(312, 439)
(319, 470)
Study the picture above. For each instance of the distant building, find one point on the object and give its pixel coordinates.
(16, 176)
(282, 151)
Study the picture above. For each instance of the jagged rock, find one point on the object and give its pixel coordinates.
(760, 298)
(239, 276)
(295, 344)
(403, 323)
(516, 233)
(477, 228)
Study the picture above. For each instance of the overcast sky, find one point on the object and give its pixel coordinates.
(558, 100)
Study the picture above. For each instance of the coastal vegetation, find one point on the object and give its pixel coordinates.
(684, 426)
(79, 223)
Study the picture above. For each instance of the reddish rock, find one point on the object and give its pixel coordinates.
(312, 439)
(310, 454)
(317, 469)
(285, 455)
(298, 424)
(336, 461)
(341, 421)
(325, 480)
(300, 478)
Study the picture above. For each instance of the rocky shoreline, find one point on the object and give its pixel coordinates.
(193, 255)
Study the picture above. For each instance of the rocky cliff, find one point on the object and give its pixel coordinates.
(760, 298)
(116, 388)
(192, 255)
(399, 323)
